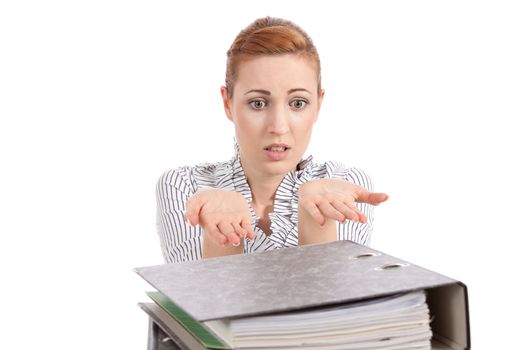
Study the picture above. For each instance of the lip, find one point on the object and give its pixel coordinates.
(277, 155)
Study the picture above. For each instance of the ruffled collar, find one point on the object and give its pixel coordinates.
(284, 216)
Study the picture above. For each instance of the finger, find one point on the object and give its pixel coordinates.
(314, 212)
(360, 216)
(373, 198)
(228, 230)
(193, 208)
(328, 210)
(346, 210)
(377, 198)
(241, 232)
(246, 224)
(217, 236)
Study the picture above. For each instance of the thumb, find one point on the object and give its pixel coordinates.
(373, 198)
(193, 209)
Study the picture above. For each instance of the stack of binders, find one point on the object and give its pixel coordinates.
(331, 296)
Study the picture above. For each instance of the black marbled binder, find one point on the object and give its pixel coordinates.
(306, 277)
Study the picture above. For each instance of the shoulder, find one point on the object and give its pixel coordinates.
(190, 178)
(338, 170)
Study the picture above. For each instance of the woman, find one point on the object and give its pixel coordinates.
(266, 197)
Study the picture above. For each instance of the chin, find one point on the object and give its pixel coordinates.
(281, 168)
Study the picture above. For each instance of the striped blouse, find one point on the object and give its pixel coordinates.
(182, 242)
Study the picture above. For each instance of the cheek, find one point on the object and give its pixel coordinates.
(246, 126)
(243, 124)
(303, 129)
(305, 121)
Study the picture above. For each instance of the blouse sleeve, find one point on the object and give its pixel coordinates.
(179, 241)
(349, 230)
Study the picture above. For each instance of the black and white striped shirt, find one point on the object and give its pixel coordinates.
(182, 242)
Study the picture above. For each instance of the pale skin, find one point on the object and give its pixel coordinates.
(274, 106)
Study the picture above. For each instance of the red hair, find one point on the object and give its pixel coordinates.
(270, 36)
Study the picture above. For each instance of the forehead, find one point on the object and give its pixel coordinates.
(278, 72)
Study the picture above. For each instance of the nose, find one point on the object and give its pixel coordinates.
(278, 123)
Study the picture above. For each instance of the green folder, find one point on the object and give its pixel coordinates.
(193, 326)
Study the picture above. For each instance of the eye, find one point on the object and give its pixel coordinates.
(258, 104)
(298, 104)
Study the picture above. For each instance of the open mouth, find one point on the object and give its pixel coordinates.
(276, 148)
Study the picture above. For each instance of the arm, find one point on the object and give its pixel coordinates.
(225, 218)
(322, 202)
(357, 231)
(210, 249)
(179, 240)
(311, 232)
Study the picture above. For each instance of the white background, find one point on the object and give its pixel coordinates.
(98, 98)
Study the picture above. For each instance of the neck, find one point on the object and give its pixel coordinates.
(264, 189)
(263, 186)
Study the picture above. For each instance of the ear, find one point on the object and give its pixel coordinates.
(226, 102)
(319, 102)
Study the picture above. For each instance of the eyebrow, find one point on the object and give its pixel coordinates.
(266, 92)
(298, 89)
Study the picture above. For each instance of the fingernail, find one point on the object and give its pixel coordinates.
(236, 244)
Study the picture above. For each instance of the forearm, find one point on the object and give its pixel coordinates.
(210, 249)
(311, 232)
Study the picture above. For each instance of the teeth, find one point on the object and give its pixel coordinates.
(277, 149)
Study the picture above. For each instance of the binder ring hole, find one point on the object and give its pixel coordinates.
(391, 266)
(364, 255)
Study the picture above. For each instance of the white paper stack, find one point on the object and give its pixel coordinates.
(390, 323)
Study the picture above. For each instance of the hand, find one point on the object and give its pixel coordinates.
(224, 215)
(335, 199)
